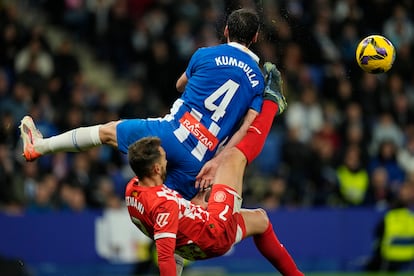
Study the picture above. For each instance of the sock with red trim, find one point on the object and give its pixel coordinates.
(270, 247)
(252, 144)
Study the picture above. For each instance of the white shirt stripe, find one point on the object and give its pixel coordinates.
(164, 235)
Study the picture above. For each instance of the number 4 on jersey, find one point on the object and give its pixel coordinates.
(228, 89)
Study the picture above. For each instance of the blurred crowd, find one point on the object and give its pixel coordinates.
(346, 139)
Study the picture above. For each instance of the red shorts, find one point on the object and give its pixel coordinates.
(226, 225)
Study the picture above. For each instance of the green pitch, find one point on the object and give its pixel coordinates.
(314, 274)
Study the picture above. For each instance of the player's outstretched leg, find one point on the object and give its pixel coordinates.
(252, 143)
(34, 145)
(29, 134)
(274, 104)
(258, 225)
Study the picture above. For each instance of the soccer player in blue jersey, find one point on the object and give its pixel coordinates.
(222, 87)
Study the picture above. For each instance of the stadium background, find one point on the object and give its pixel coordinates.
(80, 62)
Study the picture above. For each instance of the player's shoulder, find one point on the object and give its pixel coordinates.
(208, 50)
(164, 199)
(165, 193)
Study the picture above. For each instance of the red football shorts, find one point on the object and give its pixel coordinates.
(226, 225)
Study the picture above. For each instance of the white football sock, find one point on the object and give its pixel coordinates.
(74, 140)
(179, 261)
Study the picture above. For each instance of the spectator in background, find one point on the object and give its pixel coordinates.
(140, 42)
(405, 156)
(32, 78)
(18, 103)
(160, 68)
(399, 28)
(138, 104)
(274, 195)
(368, 91)
(5, 85)
(344, 94)
(81, 170)
(71, 197)
(385, 128)
(118, 37)
(34, 55)
(354, 136)
(183, 41)
(387, 158)
(354, 118)
(101, 192)
(326, 50)
(293, 62)
(45, 193)
(379, 194)
(98, 13)
(75, 17)
(297, 156)
(347, 44)
(66, 63)
(402, 110)
(402, 64)
(353, 179)
(11, 199)
(394, 246)
(7, 132)
(12, 36)
(335, 74)
(306, 115)
(323, 187)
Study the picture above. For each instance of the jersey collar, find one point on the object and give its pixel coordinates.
(245, 49)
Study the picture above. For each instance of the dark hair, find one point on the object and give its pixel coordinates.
(243, 24)
(143, 154)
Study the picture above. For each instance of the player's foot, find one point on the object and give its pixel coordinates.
(29, 134)
(274, 87)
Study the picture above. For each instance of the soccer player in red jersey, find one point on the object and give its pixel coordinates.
(193, 232)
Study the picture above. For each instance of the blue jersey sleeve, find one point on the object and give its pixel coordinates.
(192, 64)
(257, 103)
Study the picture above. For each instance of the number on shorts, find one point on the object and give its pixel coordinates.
(224, 212)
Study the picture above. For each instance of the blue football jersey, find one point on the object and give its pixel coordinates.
(224, 81)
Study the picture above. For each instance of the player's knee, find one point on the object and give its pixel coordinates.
(256, 221)
(107, 133)
(263, 219)
(235, 156)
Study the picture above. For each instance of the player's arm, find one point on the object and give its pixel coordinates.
(206, 175)
(241, 132)
(181, 82)
(166, 261)
(165, 233)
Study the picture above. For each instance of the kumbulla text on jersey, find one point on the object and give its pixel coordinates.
(132, 201)
(226, 60)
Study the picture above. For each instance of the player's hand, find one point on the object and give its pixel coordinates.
(205, 177)
(274, 86)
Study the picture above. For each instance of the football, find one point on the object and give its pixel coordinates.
(375, 54)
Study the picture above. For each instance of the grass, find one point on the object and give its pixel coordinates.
(315, 274)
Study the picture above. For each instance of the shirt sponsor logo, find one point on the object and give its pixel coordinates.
(162, 219)
(199, 131)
